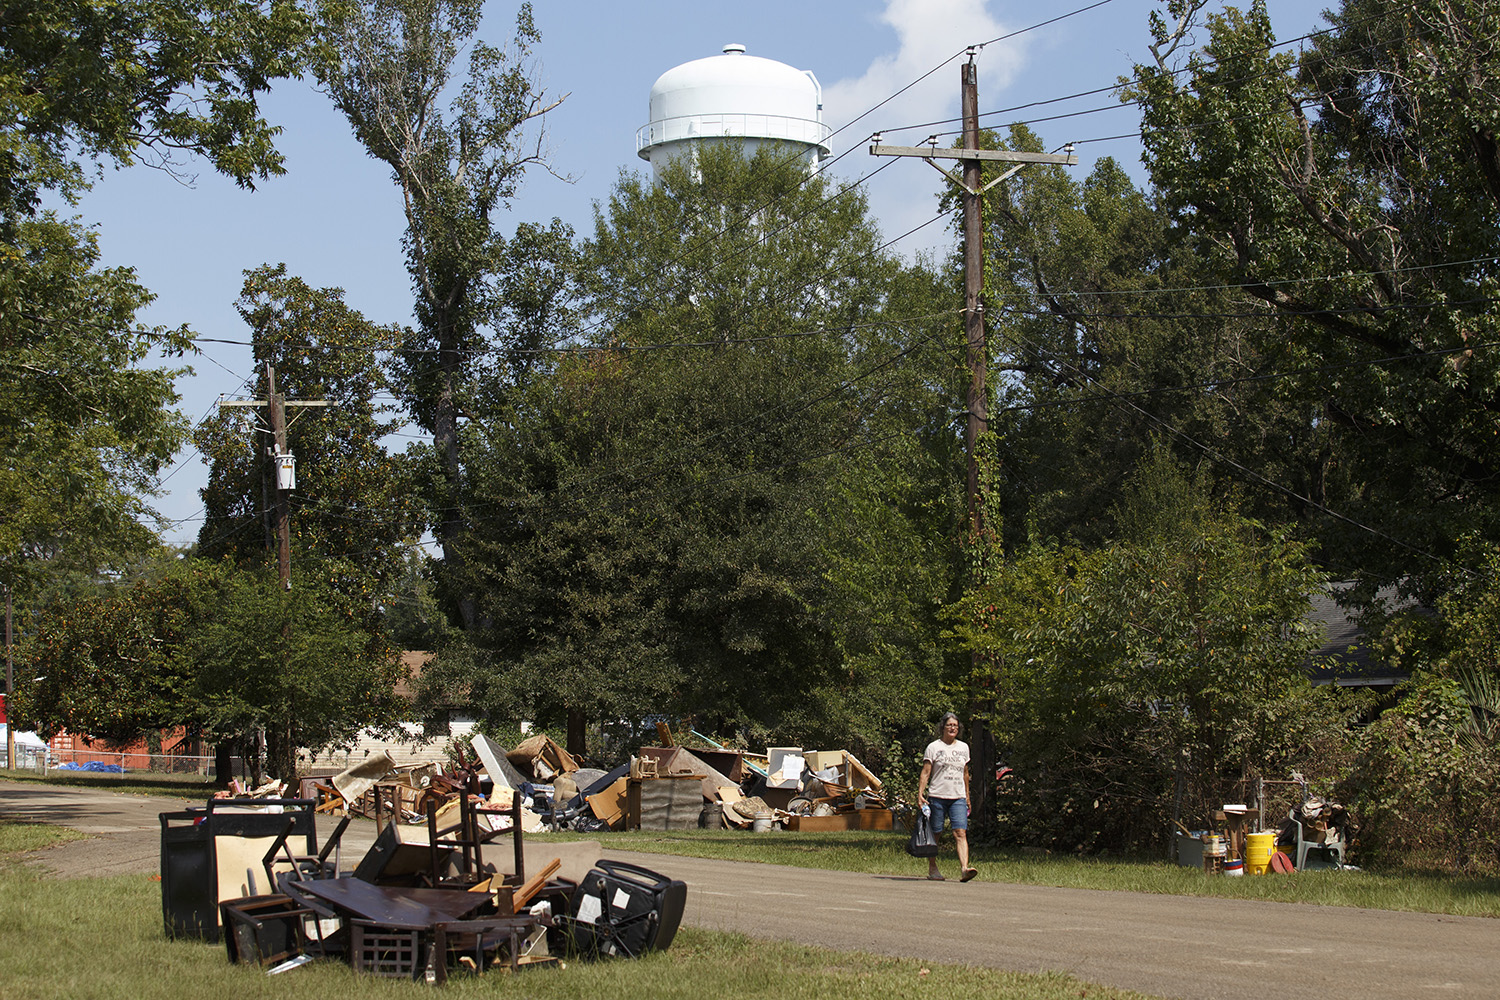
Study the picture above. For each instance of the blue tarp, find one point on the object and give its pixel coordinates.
(93, 765)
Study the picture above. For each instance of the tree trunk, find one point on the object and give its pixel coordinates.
(281, 754)
(223, 763)
(982, 773)
(450, 524)
(577, 733)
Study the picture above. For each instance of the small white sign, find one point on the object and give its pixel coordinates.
(589, 909)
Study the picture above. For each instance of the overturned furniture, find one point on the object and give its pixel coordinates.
(424, 903)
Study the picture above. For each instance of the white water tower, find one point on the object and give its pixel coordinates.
(747, 99)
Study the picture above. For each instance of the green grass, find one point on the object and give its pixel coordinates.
(17, 837)
(101, 939)
(884, 853)
(187, 786)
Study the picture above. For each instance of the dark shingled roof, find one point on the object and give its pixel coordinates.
(1345, 658)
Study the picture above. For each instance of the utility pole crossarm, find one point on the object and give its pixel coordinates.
(953, 153)
(931, 153)
(261, 402)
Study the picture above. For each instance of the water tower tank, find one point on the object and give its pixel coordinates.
(749, 99)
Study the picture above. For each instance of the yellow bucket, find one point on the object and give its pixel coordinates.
(1258, 850)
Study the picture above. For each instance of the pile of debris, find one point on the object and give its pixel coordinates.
(1314, 834)
(787, 788)
(667, 787)
(672, 787)
(423, 903)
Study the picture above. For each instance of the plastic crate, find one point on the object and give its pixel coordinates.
(387, 951)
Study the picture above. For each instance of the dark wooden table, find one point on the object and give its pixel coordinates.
(394, 906)
(440, 912)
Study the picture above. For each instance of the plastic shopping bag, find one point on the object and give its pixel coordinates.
(923, 842)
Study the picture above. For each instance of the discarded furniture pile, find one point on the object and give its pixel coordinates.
(423, 903)
(1314, 833)
(666, 787)
(673, 787)
(1311, 836)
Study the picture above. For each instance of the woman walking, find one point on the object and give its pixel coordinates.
(944, 788)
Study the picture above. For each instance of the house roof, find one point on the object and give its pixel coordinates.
(413, 662)
(1346, 658)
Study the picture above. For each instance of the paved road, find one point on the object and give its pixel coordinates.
(1172, 946)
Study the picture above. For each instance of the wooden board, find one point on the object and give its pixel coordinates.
(609, 805)
(859, 819)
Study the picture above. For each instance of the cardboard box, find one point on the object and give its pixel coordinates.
(822, 760)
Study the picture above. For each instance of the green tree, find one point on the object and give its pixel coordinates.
(1148, 677)
(354, 500)
(133, 80)
(654, 516)
(310, 667)
(1349, 195)
(221, 651)
(1108, 333)
(86, 423)
(1425, 785)
(109, 666)
(457, 152)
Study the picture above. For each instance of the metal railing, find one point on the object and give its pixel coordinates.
(747, 126)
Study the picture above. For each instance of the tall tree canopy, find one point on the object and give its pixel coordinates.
(129, 80)
(355, 501)
(655, 517)
(85, 421)
(457, 147)
(1351, 194)
(85, 425)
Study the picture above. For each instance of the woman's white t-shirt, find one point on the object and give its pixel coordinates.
(948, 763)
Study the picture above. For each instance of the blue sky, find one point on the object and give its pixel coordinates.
(335, 218)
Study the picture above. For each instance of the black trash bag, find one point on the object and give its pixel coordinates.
(923, 843)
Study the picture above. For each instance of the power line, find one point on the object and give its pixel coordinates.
(1217, 384)
(1248, 473)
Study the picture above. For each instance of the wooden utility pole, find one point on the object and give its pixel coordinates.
(10, 691)
(280, 457)
(970, 183)
(977, 404)
(977, 399)
(283, 467)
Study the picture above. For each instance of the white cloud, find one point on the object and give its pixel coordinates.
(927, 32)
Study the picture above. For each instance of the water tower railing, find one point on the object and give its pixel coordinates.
(748, 126)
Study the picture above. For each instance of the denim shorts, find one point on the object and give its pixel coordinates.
(956, 810)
